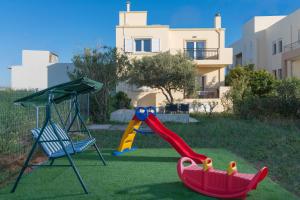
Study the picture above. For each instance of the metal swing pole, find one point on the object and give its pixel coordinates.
(25, 165)
(77, 113)
(37, 116)
(64, 148)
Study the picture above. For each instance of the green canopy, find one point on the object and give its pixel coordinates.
(61, 92)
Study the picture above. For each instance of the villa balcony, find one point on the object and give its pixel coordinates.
(210, 56)
(292, 46)
(202, 53)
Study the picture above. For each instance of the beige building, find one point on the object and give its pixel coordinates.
(39, 70)
(271, 43)
(206, 46)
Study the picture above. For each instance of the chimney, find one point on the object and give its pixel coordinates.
(218, 20)
(128, 5)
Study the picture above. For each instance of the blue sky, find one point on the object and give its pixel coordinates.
(68, 26)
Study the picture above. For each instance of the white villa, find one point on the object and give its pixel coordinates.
(39, 70)
(206, 46)
(271, 43)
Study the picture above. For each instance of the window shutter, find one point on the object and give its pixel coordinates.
(155, 45)
(128, 45)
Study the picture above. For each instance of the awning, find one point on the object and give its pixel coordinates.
(61, 92)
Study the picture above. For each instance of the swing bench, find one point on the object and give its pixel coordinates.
(53, 149)
(53, 138)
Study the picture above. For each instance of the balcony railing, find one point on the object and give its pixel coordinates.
(206, 94)
(202, 53)
(292, 46)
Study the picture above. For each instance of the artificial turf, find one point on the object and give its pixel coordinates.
(147, 174)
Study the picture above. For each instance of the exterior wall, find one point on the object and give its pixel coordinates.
(146, 96)
(136, 18)
(157, 32)
(215, 76)
(26, 77)
(58, 73)
(34, 58)
(34, 72)
(205, 102)
(133, 25)
(258, 36)
(296, 68)
(253, 40)
(173, 40)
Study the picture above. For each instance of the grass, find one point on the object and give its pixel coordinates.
(147, 174)
(150, 172)
(276, 145)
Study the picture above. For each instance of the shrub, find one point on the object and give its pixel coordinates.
(262, 83)
(256, 107)
(239, 72)
(256, 93)
(288, 93)
(121, 101)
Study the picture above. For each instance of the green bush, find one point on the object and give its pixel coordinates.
(288, 94)
(261, 83)
(239, 72)
(256, 107)
(257, 93)
(121, 101)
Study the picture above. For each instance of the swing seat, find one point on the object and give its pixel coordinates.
(51, 146)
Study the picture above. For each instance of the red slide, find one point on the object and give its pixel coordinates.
(177, 142)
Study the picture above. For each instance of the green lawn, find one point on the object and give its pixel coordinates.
(150, 172)
(143, 174)
(275, 144)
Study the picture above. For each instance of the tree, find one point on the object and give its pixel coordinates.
(262, 83)
(288, 93)
(164, 71)
(245, 78)
(121, 101)
(239, 72)
(105, 65)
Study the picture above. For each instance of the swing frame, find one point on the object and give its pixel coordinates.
(52, 100)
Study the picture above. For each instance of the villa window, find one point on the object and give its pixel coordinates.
(274, 48)
(196, 49)
(239, 59)
(280, 47)
(143, 45)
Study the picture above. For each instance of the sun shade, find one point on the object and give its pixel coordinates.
(61, 92)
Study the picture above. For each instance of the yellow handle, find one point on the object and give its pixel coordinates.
(232, 168)
(207, 164)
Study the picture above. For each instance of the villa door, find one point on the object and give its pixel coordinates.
(196, 49)
(203, 82)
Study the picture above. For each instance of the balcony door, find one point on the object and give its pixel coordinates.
(196, 49)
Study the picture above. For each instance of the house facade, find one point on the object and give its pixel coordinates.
(39, 70)
(206, 46)
(271, 43)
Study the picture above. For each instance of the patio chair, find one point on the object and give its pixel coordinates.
(184, 108)
(171, 108)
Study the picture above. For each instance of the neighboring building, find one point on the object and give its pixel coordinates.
(206, 46)
(39, 70)
(271, 43)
